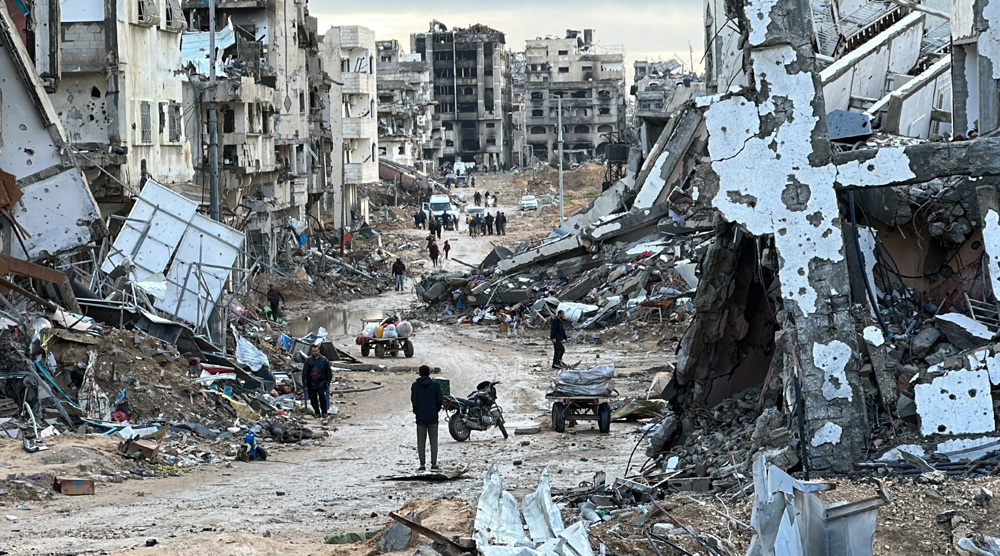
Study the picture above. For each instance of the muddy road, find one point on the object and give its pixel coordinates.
(335, 484)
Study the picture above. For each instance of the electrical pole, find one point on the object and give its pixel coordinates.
(213, 122)
(560, 139)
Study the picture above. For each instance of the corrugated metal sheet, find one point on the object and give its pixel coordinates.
(194, 48)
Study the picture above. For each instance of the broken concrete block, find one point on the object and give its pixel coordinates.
(925, 339)
(957, 403)
(963, 331)
(396, 536)
(547, 252)
(637, 222)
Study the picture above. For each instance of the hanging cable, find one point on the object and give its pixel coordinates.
(861, 259)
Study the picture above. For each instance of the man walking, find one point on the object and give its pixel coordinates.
(501, 223)
(478, 198)
(557, 334)
(274, 299)
(426, 399)
(398, 269)
(316, 376)
(447, 247)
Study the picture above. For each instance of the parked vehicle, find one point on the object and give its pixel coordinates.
(439, 205)
(529, 202)
(477, 412)
(461, 181)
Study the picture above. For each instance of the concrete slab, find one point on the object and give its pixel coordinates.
(957, 403)
(637, 221)
(546, 252)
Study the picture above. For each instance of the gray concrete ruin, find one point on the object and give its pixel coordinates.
(799, 294)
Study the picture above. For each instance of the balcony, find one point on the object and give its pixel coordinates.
(363, 83)
(363, 172)
(360, 128)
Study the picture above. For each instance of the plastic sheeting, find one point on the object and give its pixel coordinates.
(249, 354)
(595, 381)
(499, 530)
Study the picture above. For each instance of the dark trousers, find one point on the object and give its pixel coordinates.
(489, 228)
(320, 400)
(558, 352)
(423, 431)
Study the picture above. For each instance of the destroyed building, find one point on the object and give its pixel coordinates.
(348, 54)
(48, 209)
(659, 89)
(110, 76)
(472, 91)
(848, 286)
(405, 109)
(587, 81)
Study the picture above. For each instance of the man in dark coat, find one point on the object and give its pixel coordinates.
(558, 334)
(398, 269)
(501, 223)
(274, 299)
(478, 198)
(316, 376)
(426, 398)
(489, 223)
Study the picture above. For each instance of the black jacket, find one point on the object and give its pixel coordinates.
(557, 332)
(425, 395)
(316, 373)
(398, 267)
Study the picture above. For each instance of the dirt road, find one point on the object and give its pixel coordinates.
(304, 493)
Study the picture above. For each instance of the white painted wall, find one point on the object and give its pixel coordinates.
(56, 210)
(972, 76)
(81, 10)
(862, 73)
(289, 63)
(963, 23)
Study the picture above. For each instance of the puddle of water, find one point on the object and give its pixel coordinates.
(335, 321)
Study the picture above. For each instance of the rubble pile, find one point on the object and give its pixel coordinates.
(642, 280)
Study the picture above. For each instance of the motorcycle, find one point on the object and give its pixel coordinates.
(477, 412)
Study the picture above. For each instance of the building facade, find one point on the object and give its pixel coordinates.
(348, 58)
(405, 106)
(587, 82)
(472, 92)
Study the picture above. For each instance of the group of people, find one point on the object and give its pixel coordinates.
(426, 397)
(490, 199)
(434, 251)
(435, 225)
(485, 224)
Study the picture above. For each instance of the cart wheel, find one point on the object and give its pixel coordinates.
(559, 417)
(379, 350)
(365, 349)
(458, 428)
(407, 348)
(604, 418)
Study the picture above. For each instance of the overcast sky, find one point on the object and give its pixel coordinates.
(645, 29)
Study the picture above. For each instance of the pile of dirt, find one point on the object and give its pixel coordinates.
(452, 518)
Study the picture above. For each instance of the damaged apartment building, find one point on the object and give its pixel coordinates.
(130, 84)
(472, 94)
(850, 280)
(405, 106)
(587, 82)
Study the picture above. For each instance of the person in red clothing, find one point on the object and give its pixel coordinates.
(447, 247)
(434, 252)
